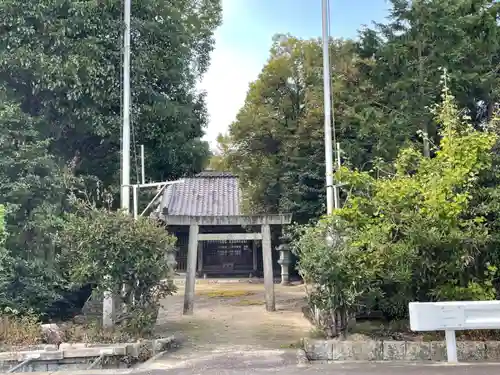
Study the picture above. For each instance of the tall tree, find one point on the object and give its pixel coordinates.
(60, 61)
(218, 161)
(383, 85)
(420, 39)
(33, 188)
(60, 104)
(277, 141)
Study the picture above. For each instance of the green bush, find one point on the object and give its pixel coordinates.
(29, 287)
(2, 225)
(26, 286)
(413, 235)
(337, 275)
(117, 253)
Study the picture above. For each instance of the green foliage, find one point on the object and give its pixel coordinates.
(2, 225)
(60, 118)
(112, 250)
(275, 144)
(421, 37)
(338, 274)
(480, 289)
(60, 63)
(29, 285)
(411, 235)
(382, 84)
(33, 188)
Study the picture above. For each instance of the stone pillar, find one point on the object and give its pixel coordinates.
(284, 261)
(108, 310)
(171, 264)
(267, 256)
(191, 270)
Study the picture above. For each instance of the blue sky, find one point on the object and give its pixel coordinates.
(243, 42)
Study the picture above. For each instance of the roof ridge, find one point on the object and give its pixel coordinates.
(207, 194)
(215, 174)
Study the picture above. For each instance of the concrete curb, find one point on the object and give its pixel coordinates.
(76, 356)
(302, 359)
(406, 351)
(77, 372)
(167, 344)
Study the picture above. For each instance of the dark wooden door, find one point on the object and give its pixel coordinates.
(227, 256)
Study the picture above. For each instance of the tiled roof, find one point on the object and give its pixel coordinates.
(215, 174)
(207, 194)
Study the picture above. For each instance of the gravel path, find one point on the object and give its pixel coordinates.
(233, 315)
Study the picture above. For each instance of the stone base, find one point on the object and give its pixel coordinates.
(79, 356)
(411, 351)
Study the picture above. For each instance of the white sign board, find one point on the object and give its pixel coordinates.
(454, 316)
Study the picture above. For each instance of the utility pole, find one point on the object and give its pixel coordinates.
(125, 188)
(330, 196)
(108, 311)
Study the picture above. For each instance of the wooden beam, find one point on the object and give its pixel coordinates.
(229, 236)
(278, 219)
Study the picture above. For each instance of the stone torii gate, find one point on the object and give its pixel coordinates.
(195, 222)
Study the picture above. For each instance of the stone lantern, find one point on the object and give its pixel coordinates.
(171, 264)
(284, 261)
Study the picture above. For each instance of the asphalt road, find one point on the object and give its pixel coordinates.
(330, 369)
(265, 362)
(338, 369)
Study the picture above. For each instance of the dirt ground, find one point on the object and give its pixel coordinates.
(234, 314)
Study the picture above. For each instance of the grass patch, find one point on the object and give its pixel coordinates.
(94, 333)
(381, 328)
(26, 331)
(400, 330)
(20, 331)
(316, 333)
(227, 293)
(293, 345)
(248, 302)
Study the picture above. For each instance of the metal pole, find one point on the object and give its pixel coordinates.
(328, 112)
(108, 311)
(154, 198)
(125, 188)
(451, 346)
(135, 199)
(339, 164)
(20, 365)
(143, 168)
(338, 184)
